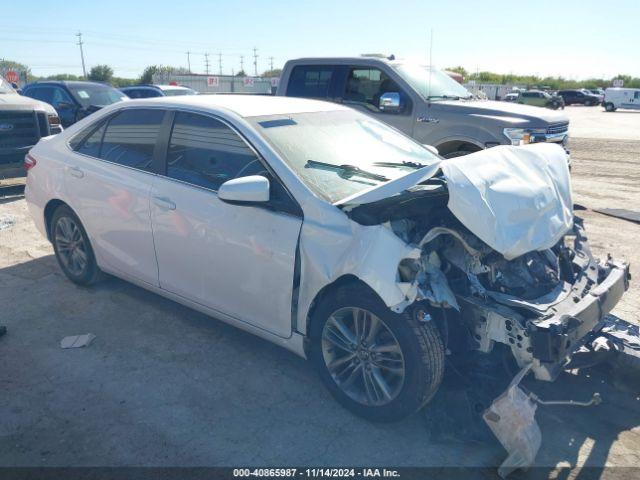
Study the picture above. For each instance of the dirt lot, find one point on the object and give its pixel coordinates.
(165, 386)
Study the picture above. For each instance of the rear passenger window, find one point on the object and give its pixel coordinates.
(91, 144)
(130, 138)
(311, 81)
(205, 152)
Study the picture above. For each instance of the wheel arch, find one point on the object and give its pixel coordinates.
(454, 145)
(50, 207)
(326, 292)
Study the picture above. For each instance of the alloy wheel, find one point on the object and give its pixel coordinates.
(363, 356)
(71, 246)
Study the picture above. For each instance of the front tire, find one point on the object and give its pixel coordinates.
(72, 247)
(609, 107)
(379, 365)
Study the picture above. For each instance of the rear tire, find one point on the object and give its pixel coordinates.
(72, 247)
(401, 343)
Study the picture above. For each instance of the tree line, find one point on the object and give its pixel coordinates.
(531, 81)
(104, 74)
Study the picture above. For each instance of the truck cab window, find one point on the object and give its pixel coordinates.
(310, 81)
(365, 86)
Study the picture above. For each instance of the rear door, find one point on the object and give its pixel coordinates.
(109, 180)
(236, 259)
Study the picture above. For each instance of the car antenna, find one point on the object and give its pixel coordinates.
(430, 64)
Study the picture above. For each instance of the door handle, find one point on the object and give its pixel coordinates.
(164, 203)
(76, 172)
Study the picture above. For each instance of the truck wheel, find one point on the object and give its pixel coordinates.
(609, 107)
(72, 247)
(379, 365)
(555, 105)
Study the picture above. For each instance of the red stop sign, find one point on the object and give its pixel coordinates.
(12, 76)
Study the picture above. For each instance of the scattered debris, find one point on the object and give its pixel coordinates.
(622, 213)
(511, 418)
(7, 221)
(77, 341)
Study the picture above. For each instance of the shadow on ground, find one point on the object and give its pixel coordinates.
(163, 385)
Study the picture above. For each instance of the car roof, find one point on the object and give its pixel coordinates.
(77, 83)
(157, 87)
(242, 105)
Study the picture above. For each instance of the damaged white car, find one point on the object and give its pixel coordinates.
(332, 234)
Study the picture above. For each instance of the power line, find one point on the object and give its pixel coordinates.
(270, 63)
(84, 70)
(242, 63)
(206, 63)
(220, 63)
(189, 61)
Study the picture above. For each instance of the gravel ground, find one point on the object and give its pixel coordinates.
(165, 386)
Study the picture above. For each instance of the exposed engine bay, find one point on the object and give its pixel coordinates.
(536, 289)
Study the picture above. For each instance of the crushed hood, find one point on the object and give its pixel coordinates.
(515, 199)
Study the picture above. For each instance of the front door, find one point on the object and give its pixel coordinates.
(108, 180)
(362, 90)
(236, 259)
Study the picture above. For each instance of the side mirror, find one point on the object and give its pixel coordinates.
(431, 148)
(65, 106)
(389, 102)
(251, 189)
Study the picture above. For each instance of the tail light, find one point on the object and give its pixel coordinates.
(29, 162)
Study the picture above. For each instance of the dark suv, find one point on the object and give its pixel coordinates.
(73, 100)
(579, 96)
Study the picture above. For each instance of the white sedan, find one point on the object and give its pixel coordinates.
(329, 233)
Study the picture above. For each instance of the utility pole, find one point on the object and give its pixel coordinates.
(84, 70)
(189, 61)
(206, 63)
(271, 63)
(255, 61)
(220, 63)
(242, 63)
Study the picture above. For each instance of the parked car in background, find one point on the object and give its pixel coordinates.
(23, 121)
(598, 92)
(424, 103)
(340, 238)
(538, 98)
(581, 97)
(615, 98)
(73, 100)
(511, 97)
(151, 91)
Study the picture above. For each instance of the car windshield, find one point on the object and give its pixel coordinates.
(5, 87)
(341, 153)
(172, 92)
(432, 83)
(95, 94)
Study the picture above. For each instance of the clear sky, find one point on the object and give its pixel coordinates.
(576, 39)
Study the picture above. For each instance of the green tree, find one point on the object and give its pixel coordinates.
(10, 64)
(241, 73)
(276, 72)
(151, 70)
(101, 73)
(461, 70)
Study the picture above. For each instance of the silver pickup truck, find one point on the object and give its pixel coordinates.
(423, 102)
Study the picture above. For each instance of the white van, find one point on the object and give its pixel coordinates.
(615, 98)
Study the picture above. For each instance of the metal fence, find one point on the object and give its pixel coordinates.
(219, 83)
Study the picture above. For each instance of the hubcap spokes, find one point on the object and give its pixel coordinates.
(363, 356)
(70, 246)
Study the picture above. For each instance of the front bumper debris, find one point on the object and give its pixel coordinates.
(511, 418)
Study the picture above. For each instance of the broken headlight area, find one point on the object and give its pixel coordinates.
(544, 305)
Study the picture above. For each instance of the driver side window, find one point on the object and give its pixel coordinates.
(365, 86)
(206, 152)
